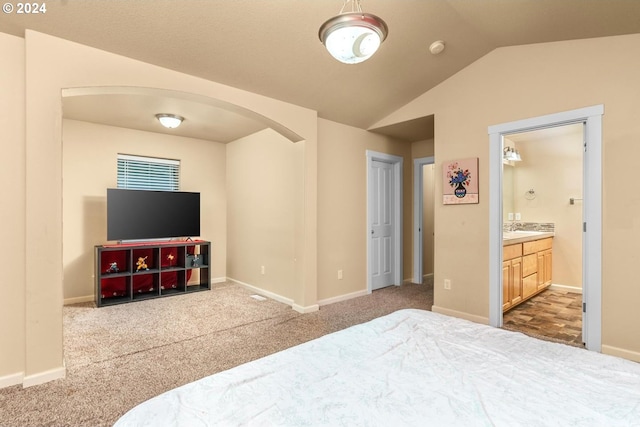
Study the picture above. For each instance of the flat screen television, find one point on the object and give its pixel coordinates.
(146, 214)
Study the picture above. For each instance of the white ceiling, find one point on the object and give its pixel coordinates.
(272, 47)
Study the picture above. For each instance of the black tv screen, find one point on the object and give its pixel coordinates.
(144, 214)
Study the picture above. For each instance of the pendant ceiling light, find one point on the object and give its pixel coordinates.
(170, 121)
(353, 37)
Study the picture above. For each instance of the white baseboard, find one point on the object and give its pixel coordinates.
(44, 377)
(219, 280)
(279, 298)
(566, 288)
(304, 310)
(460, 314)
(621, 352)
(344, 297)
(264, 293)
(13, 379)
(413, 280)
(78, 300)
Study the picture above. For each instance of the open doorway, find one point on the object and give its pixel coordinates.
(423, 219)
(542, 189)
(591, 118)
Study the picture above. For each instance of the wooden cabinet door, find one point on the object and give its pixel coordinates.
(511, 283)
(544, 268)
(548, 259)
(516, 281)
(506, 284)
(541, 271)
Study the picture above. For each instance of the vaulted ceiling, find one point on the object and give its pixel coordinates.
(272, 47)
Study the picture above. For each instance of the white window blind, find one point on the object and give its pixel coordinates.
(148, 173)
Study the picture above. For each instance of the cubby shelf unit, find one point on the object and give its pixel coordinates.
(133, 272)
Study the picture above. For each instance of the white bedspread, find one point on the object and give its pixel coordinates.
(410, 368)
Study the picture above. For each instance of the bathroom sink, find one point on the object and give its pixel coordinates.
(519, 233)
(522, 235)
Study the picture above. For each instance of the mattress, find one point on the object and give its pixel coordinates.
(410, 368)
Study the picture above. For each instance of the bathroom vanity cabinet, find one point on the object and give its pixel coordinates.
(526, 269)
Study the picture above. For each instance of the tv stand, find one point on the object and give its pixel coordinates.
(132, 272)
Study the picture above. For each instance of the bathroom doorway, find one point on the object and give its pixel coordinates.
(542, 189)
(591, 119)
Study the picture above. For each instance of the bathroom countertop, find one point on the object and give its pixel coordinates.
(513, 237)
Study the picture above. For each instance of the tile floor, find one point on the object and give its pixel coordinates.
(553, 314)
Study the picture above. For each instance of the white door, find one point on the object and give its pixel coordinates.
(382, 224)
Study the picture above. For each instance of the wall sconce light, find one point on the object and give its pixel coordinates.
(170, 121)
(353, 37)
(511, 154)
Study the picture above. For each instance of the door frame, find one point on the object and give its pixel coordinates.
(418, 206)
(396, 162)
(592, 214)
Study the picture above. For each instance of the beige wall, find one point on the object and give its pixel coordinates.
(12, 212)
(52, 65)
(342, 205)
(89, 167)
(425, 148)
(508, 205)
(552, 167)
(262, 185)
(506, 85)
(527, 81)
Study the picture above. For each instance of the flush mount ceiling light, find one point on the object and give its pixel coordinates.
(353, 37)
(170, 121)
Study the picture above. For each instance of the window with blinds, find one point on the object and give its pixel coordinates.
(148, 173)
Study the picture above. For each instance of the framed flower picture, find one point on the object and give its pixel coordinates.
(460, 182)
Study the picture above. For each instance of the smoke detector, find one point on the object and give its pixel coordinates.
(436, 47)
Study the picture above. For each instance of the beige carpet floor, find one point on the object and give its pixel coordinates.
(119, 356)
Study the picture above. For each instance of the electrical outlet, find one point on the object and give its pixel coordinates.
(510, 216)
(339, 274)
(518, 216)
(262, 270)
(447, 284)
